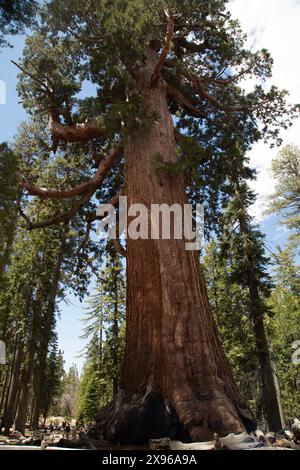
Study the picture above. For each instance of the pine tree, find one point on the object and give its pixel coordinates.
(70, 384)
(286, 198)
(105, 326)
(230, 304)
(42, 266)
(10, 195)
(152, 61)
(284, 328)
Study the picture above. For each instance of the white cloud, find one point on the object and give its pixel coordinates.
(275, 25)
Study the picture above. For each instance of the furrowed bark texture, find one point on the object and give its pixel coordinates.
(174, 363)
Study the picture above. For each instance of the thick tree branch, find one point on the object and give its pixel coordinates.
(66, 216)
(93, 183)
(197, 83)
(79, 133)
(184, 102)
(178, 136)
(165, 50)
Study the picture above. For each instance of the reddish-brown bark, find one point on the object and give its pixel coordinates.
(172, 344)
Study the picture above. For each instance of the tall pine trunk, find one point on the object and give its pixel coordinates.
(174, 366)
(271, 399)
(49, 320)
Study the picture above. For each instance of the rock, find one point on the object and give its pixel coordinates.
(284, 443)
(284, 434)
(68, 443)
(296, 430)
(270, 438)
(241, 441)
(259, 435)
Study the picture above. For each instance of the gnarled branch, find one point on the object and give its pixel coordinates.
(93, 183)
(66, 216)
(165, 50)
(79, 133)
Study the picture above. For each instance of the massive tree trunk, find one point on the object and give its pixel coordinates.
(175, 377)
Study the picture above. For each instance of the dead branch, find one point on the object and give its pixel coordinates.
(45, 87)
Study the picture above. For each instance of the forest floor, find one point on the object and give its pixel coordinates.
(56, 440)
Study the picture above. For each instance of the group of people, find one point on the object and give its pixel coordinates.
(65, 428)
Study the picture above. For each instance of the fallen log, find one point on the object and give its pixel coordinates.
(68, 443)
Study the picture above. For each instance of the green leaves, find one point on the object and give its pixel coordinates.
(286, 198)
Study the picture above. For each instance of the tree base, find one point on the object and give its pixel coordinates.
(148, 417)
(139, 420)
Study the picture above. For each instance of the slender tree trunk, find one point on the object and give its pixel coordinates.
(24, 400)
(47, 332)
(269, 384)
(174, 366)
(13, 387)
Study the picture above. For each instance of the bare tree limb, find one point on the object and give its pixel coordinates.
(165, 50)
(64, 216)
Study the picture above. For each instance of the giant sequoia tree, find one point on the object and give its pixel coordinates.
(165, 77)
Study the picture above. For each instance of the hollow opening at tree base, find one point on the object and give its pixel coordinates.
(143, 418)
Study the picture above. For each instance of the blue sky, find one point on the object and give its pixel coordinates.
(277, 28)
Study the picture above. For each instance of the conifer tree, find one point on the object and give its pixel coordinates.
(105, 328)
(153, 64)
(286, 198)
(284, 328)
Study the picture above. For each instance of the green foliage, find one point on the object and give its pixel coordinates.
(284, 328)
(52, 385)
(65, 405)
(105, 327)
(230, 303)
(286, 198)
(15, 16)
